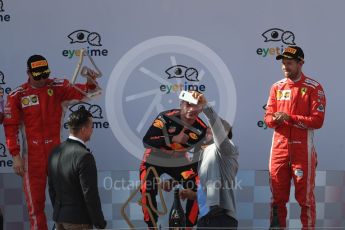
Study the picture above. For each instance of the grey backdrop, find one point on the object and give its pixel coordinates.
(231, 29)
(221, 39)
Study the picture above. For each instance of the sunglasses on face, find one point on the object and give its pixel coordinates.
(40, 75)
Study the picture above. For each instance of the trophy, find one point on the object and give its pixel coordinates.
(86, 72)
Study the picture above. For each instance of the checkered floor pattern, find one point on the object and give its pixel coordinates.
(253, 197)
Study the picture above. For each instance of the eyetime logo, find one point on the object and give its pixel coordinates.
(4, 161)
(190, 76)
(96, 112)
(3, 16)
(3, 88)
(277, 35)
(92, 39)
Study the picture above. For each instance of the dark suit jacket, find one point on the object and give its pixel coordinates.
(73, 185)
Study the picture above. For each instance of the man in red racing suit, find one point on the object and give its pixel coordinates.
(296, 106)
(36, 110)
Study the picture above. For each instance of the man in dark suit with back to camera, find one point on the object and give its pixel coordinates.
(72, 178)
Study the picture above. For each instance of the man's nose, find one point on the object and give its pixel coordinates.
(193, 108)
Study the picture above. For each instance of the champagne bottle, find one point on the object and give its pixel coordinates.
(177, 218)
(275, 220)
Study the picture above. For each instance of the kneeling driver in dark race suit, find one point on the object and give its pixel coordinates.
(167, 142)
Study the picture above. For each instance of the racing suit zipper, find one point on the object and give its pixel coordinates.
(294, 104)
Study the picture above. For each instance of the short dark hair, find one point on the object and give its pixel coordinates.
(78, 119)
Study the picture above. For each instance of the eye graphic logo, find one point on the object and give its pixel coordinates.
(276, 35)
(96, 113)
(2, 150)
(95, 110)
(3, 16)
(3, 88)
(91, 40)
(2, 78)
(83, 36)
(181, 71)
(1, 6)
(6, 162)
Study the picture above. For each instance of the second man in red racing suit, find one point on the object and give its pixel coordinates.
(296, 106)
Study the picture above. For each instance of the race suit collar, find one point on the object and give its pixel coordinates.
(299, 80)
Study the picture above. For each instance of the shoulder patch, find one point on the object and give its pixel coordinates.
(19, 89)
(321, 94)
(309, 85)
(280, 81)
(57, 82)
(321, 108)
(311, 81)
(158, 124)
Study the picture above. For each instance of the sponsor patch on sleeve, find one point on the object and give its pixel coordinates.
(193, 136)
(321, 108)
(158, 124)
(321, 94)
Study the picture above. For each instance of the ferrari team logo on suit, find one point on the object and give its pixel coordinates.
(303, 90)
(50, 92)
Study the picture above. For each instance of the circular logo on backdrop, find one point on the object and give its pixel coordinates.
(148, 79)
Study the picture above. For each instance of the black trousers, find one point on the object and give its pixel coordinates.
(218, 221)
(150, 187)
